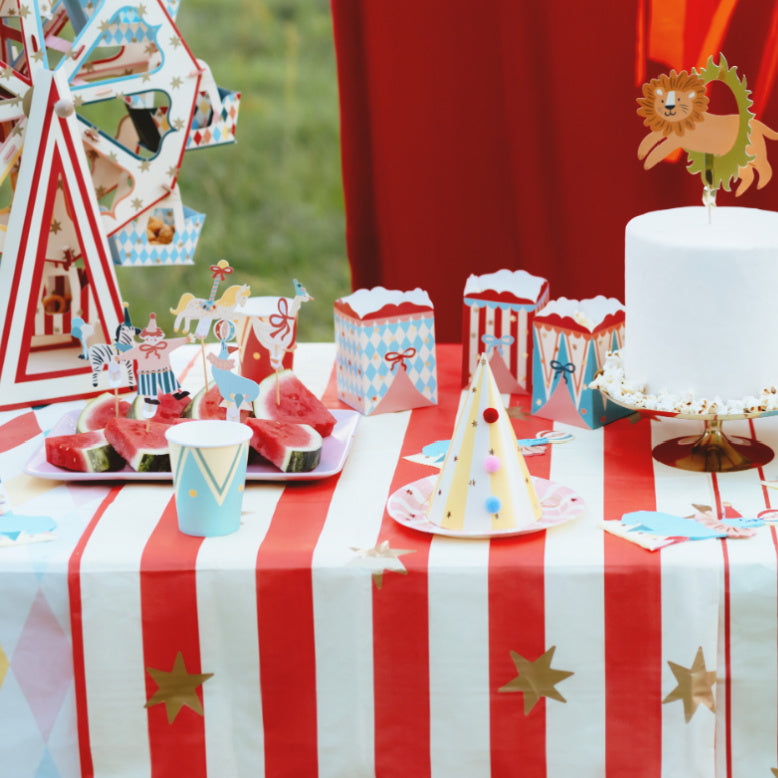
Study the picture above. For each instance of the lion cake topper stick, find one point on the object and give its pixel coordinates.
(722, 148)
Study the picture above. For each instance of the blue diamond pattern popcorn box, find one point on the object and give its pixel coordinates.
(497, 321)
(571, 341)
(385, 343)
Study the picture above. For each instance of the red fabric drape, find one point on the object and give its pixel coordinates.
(503, 133)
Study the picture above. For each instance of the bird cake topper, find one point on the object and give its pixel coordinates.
(722, 148)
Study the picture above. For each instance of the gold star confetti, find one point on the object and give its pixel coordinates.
(536, 679)
(175, 42)
(136, 203)
(105, 25)
(178, 124)
(144, 166)
(373, 558)
(177, 688)
(24, 12)
(175, 82)
(4, 665)
(140, 10)
(695, 686)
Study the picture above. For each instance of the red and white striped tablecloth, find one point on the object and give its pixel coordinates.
(289, 649)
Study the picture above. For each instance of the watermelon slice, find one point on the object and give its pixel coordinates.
(293, 448)
(169, 410)
(141, 443)
(283, 397)
(98, 410)
(86, 452)
(207, 405)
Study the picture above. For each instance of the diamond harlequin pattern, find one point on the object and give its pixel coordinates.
(45, 686)
(364, 373)
(130, 246)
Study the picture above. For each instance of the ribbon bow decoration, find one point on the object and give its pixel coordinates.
(562, 369)
(154, 348)
(492, 341)
(220, 272)
(398, 357)
(281, 320)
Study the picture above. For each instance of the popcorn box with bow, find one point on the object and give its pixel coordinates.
(385, 345)
(267, 333)
(497, 321)
(571, 341)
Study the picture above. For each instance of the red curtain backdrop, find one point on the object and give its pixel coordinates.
(503, 134)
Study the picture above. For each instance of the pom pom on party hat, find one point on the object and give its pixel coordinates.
(484, 484)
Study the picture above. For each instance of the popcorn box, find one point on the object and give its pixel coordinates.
(571, 341)
(497, 320)
(266, 336)
(385, 350)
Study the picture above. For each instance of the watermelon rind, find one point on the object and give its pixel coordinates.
(85, 452)
(292, 448)
(284, 397)
(142, 444)
(98, 410)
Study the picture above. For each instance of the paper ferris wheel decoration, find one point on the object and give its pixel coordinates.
(84, 194)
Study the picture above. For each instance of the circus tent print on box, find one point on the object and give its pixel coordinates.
(498, 309)
(571, 341)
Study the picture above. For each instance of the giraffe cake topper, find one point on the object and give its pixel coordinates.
(722, 148)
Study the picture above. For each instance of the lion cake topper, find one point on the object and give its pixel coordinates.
(722, 148)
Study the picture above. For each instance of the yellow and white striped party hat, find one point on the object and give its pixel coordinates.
(484, 484)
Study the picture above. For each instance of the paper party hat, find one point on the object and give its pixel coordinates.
(484, 484)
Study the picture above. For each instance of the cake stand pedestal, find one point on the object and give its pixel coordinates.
(713, 451)
(710, 452)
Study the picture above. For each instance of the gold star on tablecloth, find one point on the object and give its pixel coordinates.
(536, 679)
(695, 686)
(774, 771)
(4, 665)
(177, 688)
(381, 558)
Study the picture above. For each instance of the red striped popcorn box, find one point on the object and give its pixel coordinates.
(571, 341)
(385, 346)
(497, 320)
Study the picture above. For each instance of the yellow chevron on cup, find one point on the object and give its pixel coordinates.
(217, 466)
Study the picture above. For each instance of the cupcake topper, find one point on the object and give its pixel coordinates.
(722, 148)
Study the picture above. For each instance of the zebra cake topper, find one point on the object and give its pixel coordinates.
(100, 356)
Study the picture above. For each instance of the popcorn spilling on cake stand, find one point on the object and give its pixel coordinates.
(685, 266)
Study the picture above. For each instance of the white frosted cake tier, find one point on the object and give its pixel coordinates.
(700, 310)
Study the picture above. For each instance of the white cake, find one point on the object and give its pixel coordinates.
(701, 316)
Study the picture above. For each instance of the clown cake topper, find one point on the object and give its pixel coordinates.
(722, 148)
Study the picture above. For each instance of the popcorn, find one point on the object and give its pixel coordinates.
(615, 385)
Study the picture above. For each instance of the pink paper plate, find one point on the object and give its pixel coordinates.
(407, 506)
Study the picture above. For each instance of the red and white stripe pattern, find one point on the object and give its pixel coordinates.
(316, 670)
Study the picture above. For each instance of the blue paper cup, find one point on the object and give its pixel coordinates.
(208, 459)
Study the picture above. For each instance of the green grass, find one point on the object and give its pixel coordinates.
(273, 201)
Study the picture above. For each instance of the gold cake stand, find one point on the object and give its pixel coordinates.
(712, 451)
